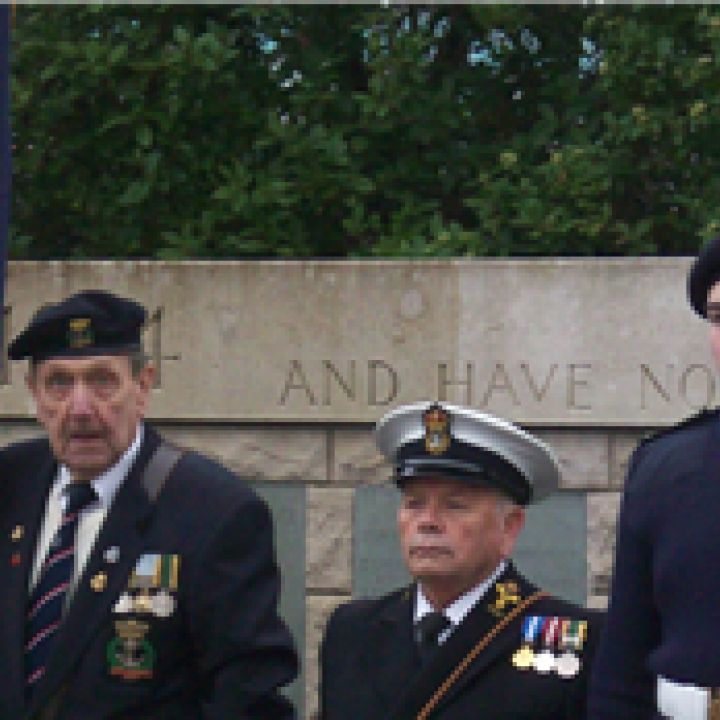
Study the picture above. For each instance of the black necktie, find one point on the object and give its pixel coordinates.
(47, 600)
(427, 631)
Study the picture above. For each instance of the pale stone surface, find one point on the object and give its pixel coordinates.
(602, 510)
(583, 456)
(357, 459)
(12, 432)
(544, 342)
(329, 539)
(259, 453)
(319, 608)
(569, 341)
(622, 445)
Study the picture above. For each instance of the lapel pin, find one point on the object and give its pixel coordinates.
(15, 559)
(112, 554)
(98, 582)
(17, 533)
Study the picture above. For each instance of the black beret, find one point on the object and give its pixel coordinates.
(92, 322)
(457, 443)
(704, 273)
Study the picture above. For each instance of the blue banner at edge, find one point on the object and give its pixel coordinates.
(5, 153)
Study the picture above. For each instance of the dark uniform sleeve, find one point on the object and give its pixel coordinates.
(622, 687)
(244, 651)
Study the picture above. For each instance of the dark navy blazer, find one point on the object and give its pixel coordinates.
(370, 669)
(664, 613)
(223, 652)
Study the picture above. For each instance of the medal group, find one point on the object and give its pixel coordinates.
(551, 644)
(150, 593)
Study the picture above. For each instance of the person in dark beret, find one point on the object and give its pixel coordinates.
(470, 637)
(658, 656)
(137, 580)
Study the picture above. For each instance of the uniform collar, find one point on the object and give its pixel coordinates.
(456, 611)
(106, 484)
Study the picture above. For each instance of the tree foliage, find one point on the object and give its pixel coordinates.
(177, 131)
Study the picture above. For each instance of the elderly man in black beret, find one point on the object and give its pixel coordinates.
(136, 580)
(471, 637)
(659, 656)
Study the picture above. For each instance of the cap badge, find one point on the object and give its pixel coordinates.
(437, 430)
(79, 333)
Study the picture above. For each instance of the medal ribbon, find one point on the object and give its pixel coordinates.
(573, 634)
(531, 626)
(582, 633)
(550, 632)
(568, 634)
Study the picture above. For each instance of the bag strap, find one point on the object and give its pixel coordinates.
(159, 467)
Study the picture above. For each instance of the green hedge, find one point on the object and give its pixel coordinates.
(177, 131)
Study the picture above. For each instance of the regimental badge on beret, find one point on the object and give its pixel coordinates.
(437, 429)
(80, 333)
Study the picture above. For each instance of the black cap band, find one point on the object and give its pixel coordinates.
(462, 463)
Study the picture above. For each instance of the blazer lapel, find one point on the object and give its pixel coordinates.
(23, 515)
(509, 590)
(91, 605)
(390, 657)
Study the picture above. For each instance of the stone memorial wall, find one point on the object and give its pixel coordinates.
(279, 369)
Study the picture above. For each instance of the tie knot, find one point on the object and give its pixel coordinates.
(430, 627)
(79, 496)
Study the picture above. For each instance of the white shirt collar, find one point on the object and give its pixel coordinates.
(456, 611)
(106, 484)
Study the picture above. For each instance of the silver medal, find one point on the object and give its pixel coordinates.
(567, 665)
(544, 662)
(124, 604)
(163, 604)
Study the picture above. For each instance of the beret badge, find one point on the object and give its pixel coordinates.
(80, 333)
(437, 429)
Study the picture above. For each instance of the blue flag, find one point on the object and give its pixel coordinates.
(5, 156)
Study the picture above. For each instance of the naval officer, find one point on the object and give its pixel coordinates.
(137, 581)
(660, 653)
(470, 637)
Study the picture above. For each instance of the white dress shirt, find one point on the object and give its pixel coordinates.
(456, 611)
(91, 518)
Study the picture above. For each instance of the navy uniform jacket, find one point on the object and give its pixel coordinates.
(664, 611)
(371, 671)
(222, 652)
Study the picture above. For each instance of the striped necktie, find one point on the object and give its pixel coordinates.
(47, 600)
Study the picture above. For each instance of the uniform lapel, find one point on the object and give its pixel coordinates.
(124, 528)
(24, 505)
(509, 590)
(390, 657)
